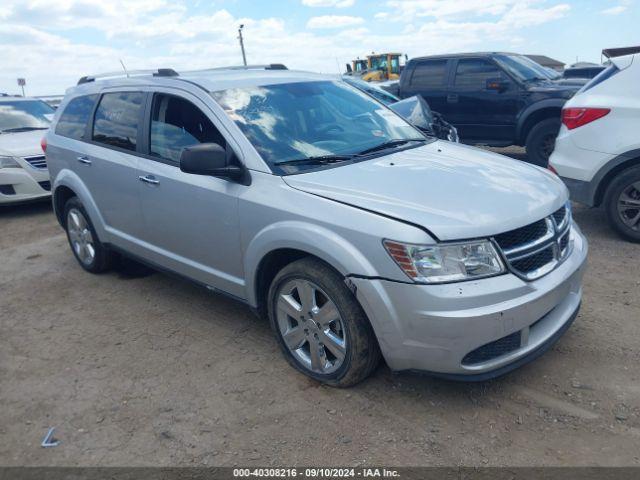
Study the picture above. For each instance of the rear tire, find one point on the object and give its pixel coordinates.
(309, 304)
(622, 204)
(541, 141)
(91, 254)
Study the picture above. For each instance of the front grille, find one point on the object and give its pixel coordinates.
(46, 185)
(560, 215)
(535, 249)
(521, 236)
(38, 162)
(531, 263)
(494, 349)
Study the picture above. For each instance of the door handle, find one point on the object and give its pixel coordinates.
(149, 179)
(84, 160)
(452, 98)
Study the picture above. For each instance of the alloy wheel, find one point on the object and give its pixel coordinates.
(80, 237)
(311, 326)
(629, 206)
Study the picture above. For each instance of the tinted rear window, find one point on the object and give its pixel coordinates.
(431, 74)
(75, 117)
(117, 119)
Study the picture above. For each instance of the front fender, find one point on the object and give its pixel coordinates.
(313, 239)
(70, 179)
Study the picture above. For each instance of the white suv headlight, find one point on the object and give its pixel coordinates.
(8, 162)
(446, 262)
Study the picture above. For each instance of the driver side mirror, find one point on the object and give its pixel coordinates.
(497, 84)
(209, 159)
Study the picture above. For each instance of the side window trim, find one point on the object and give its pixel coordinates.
(88, 133)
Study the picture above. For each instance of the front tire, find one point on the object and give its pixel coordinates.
(91, 254)
(321, 328)
(622, 204)
(541, 141)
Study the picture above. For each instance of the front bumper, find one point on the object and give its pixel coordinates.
(433, 328)
(19, 185)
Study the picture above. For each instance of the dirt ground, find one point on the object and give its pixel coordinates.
(136, 369)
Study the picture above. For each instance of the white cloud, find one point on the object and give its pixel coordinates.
(334, 21)
(329, 3)
(381, 15)
(38, 41)
(617, 10)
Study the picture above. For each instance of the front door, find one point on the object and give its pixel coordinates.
(191, 220)
(480, 113)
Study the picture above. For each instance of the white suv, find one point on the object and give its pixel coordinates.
(597, 151)
(23, 168)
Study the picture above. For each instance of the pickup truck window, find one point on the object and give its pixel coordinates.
(429, 74)
(473, 73)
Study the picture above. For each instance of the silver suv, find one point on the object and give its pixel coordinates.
(355, 234)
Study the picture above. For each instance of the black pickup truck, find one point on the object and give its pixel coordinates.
(496, 99)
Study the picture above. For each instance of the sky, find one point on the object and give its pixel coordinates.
(53, 43)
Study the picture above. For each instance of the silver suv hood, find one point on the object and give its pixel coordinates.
(455, 191)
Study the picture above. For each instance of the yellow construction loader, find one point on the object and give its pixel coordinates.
(377, 67)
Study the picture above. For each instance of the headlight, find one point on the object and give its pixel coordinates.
(8, 162)
(446, 262)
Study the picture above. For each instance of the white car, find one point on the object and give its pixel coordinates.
(23, 168)
(597, 152)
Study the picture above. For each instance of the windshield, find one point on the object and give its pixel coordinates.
(523, 68)
(304, 120)
(22, 115)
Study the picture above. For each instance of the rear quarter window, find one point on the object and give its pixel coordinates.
(74, 118)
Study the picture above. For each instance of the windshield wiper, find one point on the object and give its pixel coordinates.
(319, 160)
(23, 129)
(390, 144)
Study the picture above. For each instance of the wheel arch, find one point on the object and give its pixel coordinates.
(536, 113)
(282, 243)
(610, 171)
(68, 184)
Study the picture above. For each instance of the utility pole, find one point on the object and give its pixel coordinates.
(244, 57)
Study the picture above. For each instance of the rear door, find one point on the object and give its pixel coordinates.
(191, 221)
(106, 157)
(428, 78)
(481, 114)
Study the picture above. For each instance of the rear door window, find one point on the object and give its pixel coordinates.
(430, 74)
(117, 119)
(473, 73)
(74, 118)
(177, 124)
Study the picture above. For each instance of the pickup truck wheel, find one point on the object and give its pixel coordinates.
(622, 204)
(541, 141)
(321, 328)
(91, 254)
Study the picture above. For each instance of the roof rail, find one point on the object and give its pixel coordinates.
(269, 66)
(160, 72)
